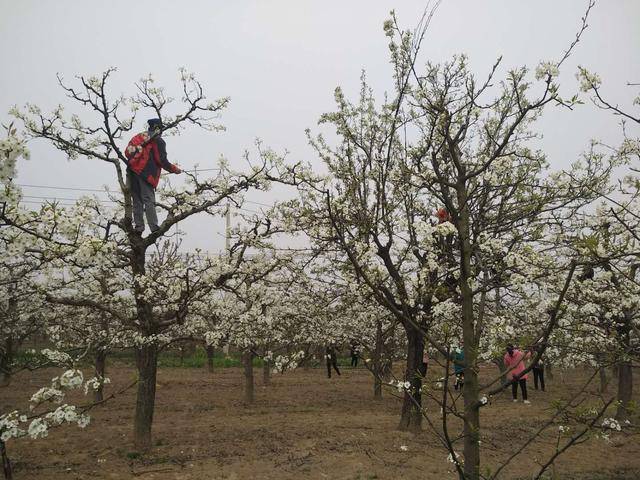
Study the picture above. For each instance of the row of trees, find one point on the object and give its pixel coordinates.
(438, 218)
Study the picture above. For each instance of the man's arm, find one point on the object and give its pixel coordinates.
(164, 161)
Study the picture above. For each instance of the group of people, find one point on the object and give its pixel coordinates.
(514, 363)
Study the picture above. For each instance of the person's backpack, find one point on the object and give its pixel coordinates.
(138, 151)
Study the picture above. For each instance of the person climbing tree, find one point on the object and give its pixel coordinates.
(147, 155)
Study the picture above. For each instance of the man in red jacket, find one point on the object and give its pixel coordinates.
(147, 154)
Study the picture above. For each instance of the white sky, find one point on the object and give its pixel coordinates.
(280, 61)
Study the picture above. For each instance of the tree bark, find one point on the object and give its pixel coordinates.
(411, 416)
(247, 362)
(100, 366)
(210, 354)
(6, 462)
(604, 381)
(377, 362)
(625, 370)
(625, 390)
(147, 363)
(6, 359)
(266, 372)
(499, 362)
(548, 370)
(471, 389)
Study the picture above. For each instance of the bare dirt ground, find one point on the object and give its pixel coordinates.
(303, 425)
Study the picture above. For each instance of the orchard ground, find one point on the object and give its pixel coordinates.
(302, 425)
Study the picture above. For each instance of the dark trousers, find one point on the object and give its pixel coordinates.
(538, 374)
(459, 382)
(332, 362)
(523, 388)
(143, 198)
(354, 360)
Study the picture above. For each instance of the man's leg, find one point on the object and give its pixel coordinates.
(542, 379)
(133, 182)
(149, 199)
(514, 389)
(536, 372)
(523, 387)
(335, 363)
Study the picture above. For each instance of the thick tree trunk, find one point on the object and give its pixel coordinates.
(6, 463)
(266, 372)
(470, 393)
(604, 381)
(210, 354)
(377, 362)
(100, 366)
(147, 363)
(625, 390)
(471, 389)
(503, 370)
(6, 358)
(247, 362)
(411, 417)
(625, 370)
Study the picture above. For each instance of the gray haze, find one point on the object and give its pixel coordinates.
(280, 61)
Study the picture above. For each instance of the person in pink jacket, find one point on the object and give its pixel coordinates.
(514, 363)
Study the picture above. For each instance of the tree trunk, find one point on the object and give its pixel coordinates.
(604, 381)
(548, 370)
(6, 358)
(411, 417)
(471, 389)
(147, 363)
(247, 362)
(377, 362)
(210, 354)
(266, 372)
(6, 463)
(625, 370)
(625, 390)
(499, 362)
(100, 364)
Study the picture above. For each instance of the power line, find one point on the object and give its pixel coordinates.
(79, 189)
(63, 201)
(62, 188)
(62, 198)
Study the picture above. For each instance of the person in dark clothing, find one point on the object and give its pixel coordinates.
(147, 158)
(354, 355)
(332, 360)
(458, 367)
(425, 361)
(538, 372)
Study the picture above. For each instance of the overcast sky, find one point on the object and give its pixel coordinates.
(280, 60)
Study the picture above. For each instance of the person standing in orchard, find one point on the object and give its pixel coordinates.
(147, 156)
(332, 360)
(354, 354)
(458, 366)
(514, 363)
(538, 371)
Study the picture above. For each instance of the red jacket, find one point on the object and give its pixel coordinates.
(147, 157)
